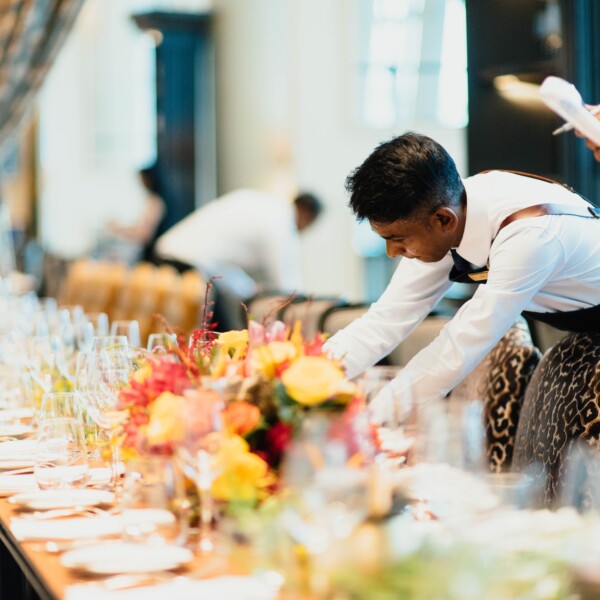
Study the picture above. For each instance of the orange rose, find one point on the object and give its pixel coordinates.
(241, 418)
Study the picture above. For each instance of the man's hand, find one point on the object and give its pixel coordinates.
(591, 145)
(381, 408)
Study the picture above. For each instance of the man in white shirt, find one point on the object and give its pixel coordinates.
(249, 239)
(535, 242)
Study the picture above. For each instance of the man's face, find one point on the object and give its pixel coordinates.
(427, 238)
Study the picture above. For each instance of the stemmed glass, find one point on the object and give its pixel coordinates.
(109, 372)
(328, 498)
(130, 329)
(159, 343)
(200, 456)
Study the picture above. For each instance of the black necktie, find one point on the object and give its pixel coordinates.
(461, 264)
(465, 272)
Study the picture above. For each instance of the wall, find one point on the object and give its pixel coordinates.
(285, 103)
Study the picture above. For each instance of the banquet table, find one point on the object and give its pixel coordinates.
(30, 574)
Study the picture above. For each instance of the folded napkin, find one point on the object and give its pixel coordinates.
(25, 529)
(218, 588)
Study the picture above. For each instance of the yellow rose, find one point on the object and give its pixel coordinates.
(265, 359)
(166, 423)
(311, 380)
(244, 475)
(234, 343)
(142, 373)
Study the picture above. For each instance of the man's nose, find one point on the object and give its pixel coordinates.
(394, 249)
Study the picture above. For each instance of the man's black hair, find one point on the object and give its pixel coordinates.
(310, 203)
(403, 177)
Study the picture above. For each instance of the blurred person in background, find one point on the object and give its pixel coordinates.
(135, 242)
(249, 239)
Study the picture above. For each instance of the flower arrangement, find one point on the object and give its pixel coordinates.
(267, 377)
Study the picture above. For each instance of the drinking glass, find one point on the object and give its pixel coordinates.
(154, 504)
(130, 329)
(110, 370)
(159, 343)
(327, 500)
(99, 321)
(60, 454)
(200, 455)
(109, 342)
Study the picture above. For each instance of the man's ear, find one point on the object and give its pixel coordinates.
(445, 218)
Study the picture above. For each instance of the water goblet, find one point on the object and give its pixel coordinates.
(154, 503)
(129, 328)
(60, 454)
(200, 455)
(160, 343)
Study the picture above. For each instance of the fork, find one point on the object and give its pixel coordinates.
(57, 513)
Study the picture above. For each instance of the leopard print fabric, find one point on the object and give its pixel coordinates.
(500, 380)
(561, 406)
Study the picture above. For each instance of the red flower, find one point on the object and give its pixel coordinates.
(278, 439)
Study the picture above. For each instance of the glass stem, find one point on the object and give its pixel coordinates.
(115, 456)
(206, 514)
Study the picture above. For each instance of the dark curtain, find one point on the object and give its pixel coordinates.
(31, 34)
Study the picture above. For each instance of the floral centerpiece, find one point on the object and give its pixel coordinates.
(268, 377)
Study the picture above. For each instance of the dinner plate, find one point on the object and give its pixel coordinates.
(9, 414)
(16, 484)
(50, 499)
(113, 558)
(17, 430)
(17, 449)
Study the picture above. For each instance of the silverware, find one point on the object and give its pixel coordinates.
(59, 513)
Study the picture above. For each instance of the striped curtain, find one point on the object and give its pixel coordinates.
(31, 34)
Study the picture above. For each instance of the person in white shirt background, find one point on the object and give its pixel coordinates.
(249, 239)
(536, 243)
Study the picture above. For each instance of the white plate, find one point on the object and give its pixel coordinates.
(16, 430)
(113, 558)
(17, 449)
(50, 499)
(16, 484)
(8, 414)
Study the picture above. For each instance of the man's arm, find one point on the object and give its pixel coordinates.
(522, 260)
(413, 291)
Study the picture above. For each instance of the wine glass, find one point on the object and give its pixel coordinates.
(200, 455)
(110, 371)
(327, 500)
(61, 460)
(160, 343)
(108, 342)
(129, 328)
(154, 504)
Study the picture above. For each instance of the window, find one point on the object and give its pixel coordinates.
(413, 62)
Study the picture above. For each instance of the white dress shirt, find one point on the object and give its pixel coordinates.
(543, 264)
(245, 229)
